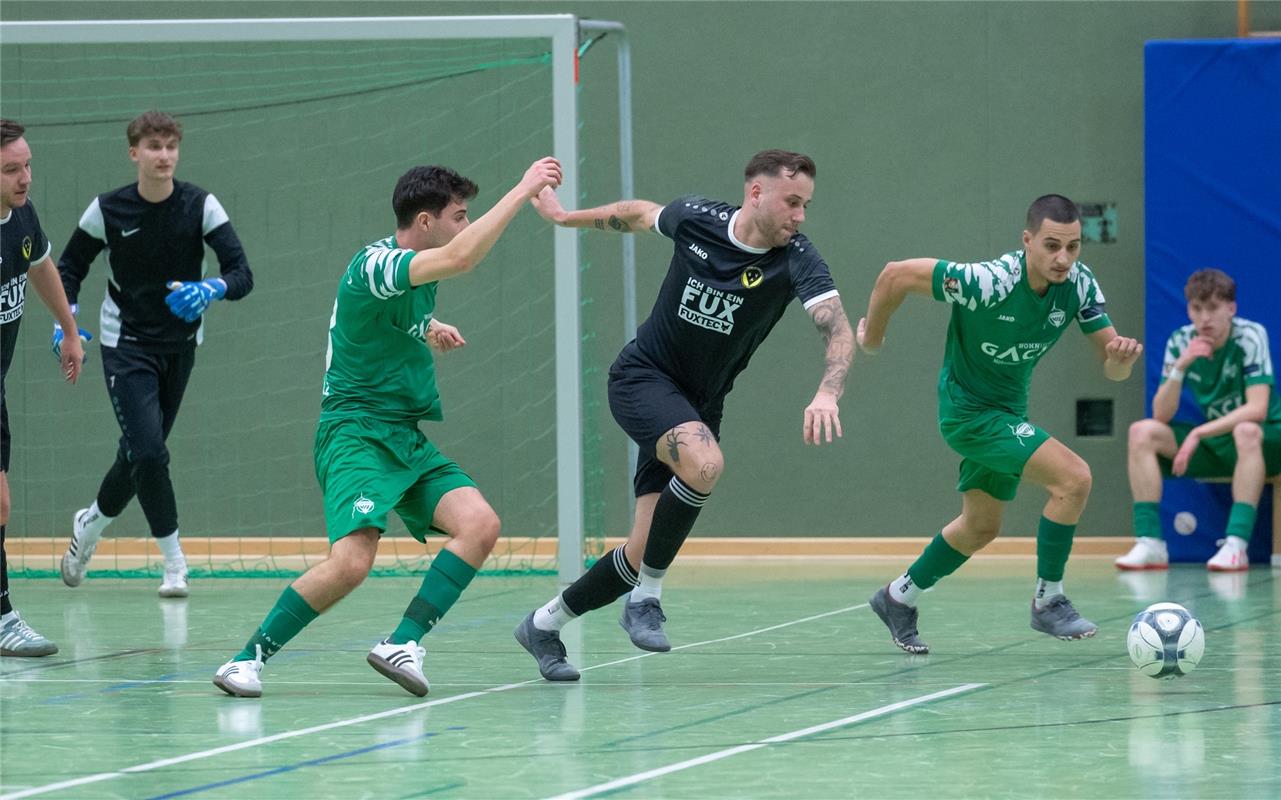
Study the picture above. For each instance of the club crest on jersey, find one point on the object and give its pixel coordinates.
(1057, 317)
(708, 307)
(1023, 430)
(363, 505)
(752, 277)
(26, 247)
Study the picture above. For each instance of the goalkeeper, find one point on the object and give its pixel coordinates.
(155, 232)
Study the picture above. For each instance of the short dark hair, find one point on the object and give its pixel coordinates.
(10, 131)
(152, 123)
(1054, 207)
(1206, 284)
(428, 189)
(774, 162)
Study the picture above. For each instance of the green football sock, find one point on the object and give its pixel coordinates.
(936, 562)
(1053, 546)
(1241, 520)
(1147, 520)
(444, 582)
(285, 621)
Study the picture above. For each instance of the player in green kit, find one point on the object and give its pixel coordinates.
(1223, 360)
(371, 457)
(1006, 314)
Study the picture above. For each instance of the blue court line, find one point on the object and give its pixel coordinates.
(292, 767)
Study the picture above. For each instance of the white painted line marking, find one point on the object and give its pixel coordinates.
(217, 751)
(641, 777)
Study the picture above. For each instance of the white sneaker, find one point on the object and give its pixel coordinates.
(1147, 553)
(174, 583)
(75, 562)
(402, 663)
(1232, 557)
(241, 678)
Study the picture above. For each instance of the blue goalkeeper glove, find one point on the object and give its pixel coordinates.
(189, 299)
(59, 335)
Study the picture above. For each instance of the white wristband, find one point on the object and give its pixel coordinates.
(1175, 374)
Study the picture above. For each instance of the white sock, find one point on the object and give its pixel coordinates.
(651, 584)
(95, 522)
(10, 617)
(172, 550)
(1045, 590)
(904, 590)
(553, 616)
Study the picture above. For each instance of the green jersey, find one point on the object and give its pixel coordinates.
(378, 364)
(1000, 328)
(1218, 383)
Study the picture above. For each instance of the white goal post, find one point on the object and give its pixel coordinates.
(562, 32)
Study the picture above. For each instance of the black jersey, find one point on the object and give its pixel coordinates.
(22, 243)
(148, 245)
(721, 298)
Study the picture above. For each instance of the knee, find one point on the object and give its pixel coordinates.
(1248, 436)
(980, 533)
(151, 459)
(1143, 434)
(4, 508)
(1075, 482)
(480, 528)
(705, 471)
(353, 568)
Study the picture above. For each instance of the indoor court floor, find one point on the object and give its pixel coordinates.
(782, 684)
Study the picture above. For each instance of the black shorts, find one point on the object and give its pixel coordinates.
(646, 404)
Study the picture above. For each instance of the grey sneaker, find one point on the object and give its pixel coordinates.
(17, 639)
(643, 622)
(900, 619)
(546, 648)
(1060, 619)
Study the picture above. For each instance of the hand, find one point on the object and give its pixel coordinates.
(548, 206)
(871, 350)
(442, 338)
(70, 352)
(1123, 350)
(542, 173)
(1186, 449)
(821, 417)
(1200, 347)
(189, 299)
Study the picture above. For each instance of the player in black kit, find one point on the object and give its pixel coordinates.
(733, 273)
(155, 232)
(24, 257)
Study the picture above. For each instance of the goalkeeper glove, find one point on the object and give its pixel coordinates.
(189, 299)
(59, 335)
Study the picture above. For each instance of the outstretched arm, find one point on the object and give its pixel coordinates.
(822, 415)
(1118, 353)
(625, 216)
(469, 247)
(896, 281)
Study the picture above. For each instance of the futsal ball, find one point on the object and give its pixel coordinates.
(1165, 641)
(1185, 522)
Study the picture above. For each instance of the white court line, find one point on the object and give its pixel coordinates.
(217, 751)
(641, 777)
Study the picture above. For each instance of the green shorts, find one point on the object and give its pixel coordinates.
(367, 468)
(1216, 457)
(995, 444)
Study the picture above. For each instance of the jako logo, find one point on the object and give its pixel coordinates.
(1015, 353)
(698, 251)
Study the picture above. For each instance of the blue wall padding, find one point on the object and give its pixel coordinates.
(1212, 155)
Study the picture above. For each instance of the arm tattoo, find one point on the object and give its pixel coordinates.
(600, 224)
(618, 224)
(674, 442)
(829, 317)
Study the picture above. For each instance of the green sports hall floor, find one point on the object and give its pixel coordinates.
(782, 684)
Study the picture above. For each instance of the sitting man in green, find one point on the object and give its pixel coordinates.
(371, 457)
(1223, 361)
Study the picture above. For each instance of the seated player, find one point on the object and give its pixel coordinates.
(1223, 361)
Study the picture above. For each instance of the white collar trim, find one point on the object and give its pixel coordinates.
(737, 243)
